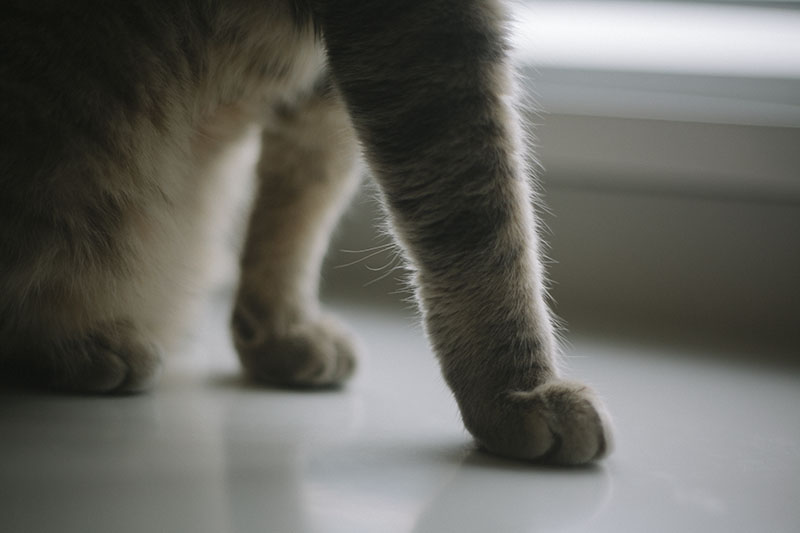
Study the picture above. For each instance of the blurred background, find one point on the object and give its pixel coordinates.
(668, 135)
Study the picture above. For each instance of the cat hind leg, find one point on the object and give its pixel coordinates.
(307, 172)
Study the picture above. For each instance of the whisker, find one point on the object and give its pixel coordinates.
(388, 263)
(359, 260)
(387, 273)
(379, 247)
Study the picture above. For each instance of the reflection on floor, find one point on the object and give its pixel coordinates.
(702, 445)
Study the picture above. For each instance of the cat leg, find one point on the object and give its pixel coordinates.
(68, 317)
(307, 172)
(61, 318)
(431, 97)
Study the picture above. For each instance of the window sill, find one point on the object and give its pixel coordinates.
(693, 99)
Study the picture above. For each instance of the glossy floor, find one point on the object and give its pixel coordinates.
(703, 444)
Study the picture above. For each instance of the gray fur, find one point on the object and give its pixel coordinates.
(118, 116)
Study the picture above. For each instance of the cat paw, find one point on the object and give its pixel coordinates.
(103, 365)
(558, 422)
(320, 353)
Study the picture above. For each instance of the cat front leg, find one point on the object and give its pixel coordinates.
(430, 93)
(307, 172)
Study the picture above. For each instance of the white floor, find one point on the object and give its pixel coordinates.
(703, 445)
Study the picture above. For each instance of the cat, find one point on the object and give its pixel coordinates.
(115, 115)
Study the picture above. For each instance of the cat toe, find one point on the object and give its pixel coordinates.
(112, 371)
(318, 353)
(558, 422)
(96, 364)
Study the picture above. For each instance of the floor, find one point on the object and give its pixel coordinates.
(703, 444)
